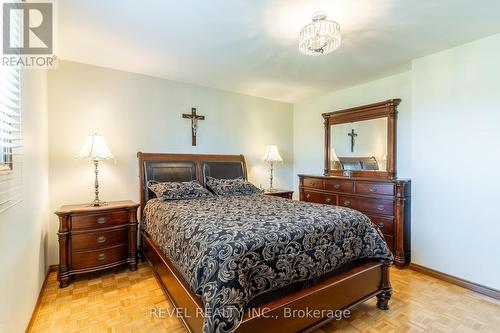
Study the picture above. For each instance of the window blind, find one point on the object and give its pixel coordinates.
(10, 125)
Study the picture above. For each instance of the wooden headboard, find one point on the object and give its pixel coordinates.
(185, 167)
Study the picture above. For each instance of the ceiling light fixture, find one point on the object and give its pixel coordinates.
(320, 37)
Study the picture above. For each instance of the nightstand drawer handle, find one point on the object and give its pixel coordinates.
(328, 200)
(336, 186)
(380, 225)
(347, 203)
(373, 189)
(308, 196)
(101, 239)
(101, 220)
(101, 256)
(380, 207)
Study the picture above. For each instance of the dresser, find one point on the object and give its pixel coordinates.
(96, 238)
(386, 202)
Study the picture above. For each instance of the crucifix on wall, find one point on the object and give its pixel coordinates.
(353, 136)
(194, 123)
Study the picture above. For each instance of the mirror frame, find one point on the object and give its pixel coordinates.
(386, 109)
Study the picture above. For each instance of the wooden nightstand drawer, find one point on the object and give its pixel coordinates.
(98, 258)
(94, 238)
(99, 239)
(100, 220)
(280, 193)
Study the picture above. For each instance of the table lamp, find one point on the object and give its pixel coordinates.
(272, 155)
(96, 149)
(334, 160)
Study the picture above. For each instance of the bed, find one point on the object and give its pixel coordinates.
(271, 261)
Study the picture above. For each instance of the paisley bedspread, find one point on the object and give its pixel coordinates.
(232, 249)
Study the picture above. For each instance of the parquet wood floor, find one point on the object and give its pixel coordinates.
(120, 301)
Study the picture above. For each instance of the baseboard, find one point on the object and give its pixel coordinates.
(478, 288)
(52, 268)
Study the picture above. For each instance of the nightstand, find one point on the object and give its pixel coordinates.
(279, 193)
(95, 238)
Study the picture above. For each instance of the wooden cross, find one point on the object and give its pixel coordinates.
(194, 123)
(353, 136)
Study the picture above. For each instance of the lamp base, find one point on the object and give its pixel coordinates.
(97, 203)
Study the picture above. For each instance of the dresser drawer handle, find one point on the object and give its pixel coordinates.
(308, 196)
(101, 220)
(373, 189)
(328, 200)
(380, 225)
(336, 186)
(380, 207)
(347, 203)
(101, 239)
(101, 256)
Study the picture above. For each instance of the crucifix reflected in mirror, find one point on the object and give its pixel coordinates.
(194, 123)
(353, 136)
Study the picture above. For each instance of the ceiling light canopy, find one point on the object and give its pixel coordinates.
(320, 37)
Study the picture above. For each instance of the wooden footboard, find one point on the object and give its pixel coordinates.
(302, 311)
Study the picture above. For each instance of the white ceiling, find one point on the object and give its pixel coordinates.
(250, 46)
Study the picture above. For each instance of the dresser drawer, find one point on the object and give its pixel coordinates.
(386, 225)
(322, 198)
(374, 188)
(314, 182)
(99, 239)
(368, 206)
(390, 242)
(346, 186)
(101, 220)
(97, 258)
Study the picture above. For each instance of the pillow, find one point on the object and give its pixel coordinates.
(178, 190)
(226, 187)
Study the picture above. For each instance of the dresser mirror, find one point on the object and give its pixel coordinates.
(361, 141)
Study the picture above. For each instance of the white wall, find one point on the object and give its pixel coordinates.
(308, 124)
(456, 161)
(24, 227)
(140, 113)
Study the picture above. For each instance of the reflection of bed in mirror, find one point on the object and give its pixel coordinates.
(358, 163)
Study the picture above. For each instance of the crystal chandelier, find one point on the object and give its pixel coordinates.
(320, 37)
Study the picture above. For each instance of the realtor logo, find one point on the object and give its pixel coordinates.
(28, 34)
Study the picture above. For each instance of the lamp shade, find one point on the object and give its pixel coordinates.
(272, 154)
(95, 148)
(333, 156)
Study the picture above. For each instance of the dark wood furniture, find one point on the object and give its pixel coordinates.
(95, 238)
(287, 194)
(343, 291)
(376, 193)
(385, 201)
